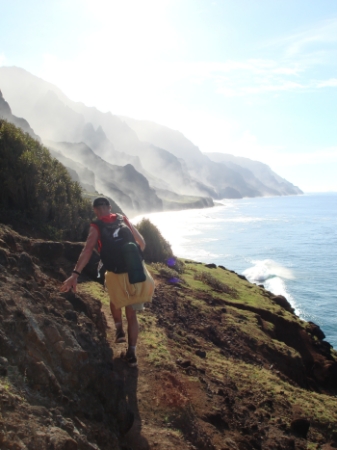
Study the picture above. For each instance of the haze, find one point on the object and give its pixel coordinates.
(251, 78)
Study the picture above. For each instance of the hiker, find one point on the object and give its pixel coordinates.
(123, 293)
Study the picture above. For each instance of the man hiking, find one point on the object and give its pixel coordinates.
(104, 232)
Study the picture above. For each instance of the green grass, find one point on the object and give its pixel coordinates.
(96, 290)
(260, 381)
(155, 341)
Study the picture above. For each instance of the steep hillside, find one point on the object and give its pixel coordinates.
(164, 156)
(36, 189)
(234, 178)
(223, 364)
(6, 113)
(59, 119)
(58, 386)
(124, 184)
(268, 180)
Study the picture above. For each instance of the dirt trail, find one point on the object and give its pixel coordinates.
(142, 384)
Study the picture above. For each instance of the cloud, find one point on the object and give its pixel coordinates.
(306, 41)
(304, 61)
(332, 82)
(128, 60)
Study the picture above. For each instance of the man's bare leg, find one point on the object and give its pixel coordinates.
(117, 317)
(116, 313)
(133, 329)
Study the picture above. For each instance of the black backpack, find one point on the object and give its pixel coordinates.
(116, 241)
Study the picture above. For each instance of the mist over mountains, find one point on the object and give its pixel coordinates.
(141, 165)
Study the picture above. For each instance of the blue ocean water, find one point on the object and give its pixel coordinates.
(288, 244)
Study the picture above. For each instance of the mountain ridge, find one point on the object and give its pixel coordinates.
(168, 160)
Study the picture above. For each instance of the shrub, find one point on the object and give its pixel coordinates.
(176, 264)
(37, 189)
(166, 272)
(214, 283)
(157, 248)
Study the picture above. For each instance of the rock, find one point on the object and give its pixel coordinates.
(52, 333)
(222, 267)
(3, 257)
(3, 361)
(47, 249)
(201, 353)
(72, 250)
(60, 440)
(3, 366)
(242, 277)
(183, 363)
(71, 315)
(316, 331)
(39, 440)
(25, 263)
(41, 377)
(39, 411)
(73, 358)
(211, 266)
(10, 241)
(282, 301)
(300, 426)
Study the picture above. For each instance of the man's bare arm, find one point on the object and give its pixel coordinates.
(138, 237)
(71, 282)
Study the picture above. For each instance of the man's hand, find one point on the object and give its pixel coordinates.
(83, 259)
(70, 283)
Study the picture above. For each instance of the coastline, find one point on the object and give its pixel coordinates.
(270, 237)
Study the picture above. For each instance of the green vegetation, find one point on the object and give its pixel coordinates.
(96, 290)
(217, 285)
(203, 296)
(156, 342)
(157, 248)
(37, 190)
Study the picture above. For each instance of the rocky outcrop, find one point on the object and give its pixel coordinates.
(54, 354)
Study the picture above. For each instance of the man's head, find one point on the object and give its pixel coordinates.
(101, 206)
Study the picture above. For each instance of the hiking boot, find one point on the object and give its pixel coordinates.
(131, 359)
(120, 336)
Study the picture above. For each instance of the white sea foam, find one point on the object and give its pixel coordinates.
(267, 269)
(272, 275)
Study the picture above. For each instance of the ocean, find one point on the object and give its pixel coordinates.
(288, 244)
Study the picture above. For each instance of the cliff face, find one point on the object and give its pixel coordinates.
(55, 365)
(231, 176)
(258, 174)
(6, 113)
(222, 363)
(164, 156)
(124, 184)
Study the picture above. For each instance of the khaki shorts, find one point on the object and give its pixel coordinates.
(123, 293)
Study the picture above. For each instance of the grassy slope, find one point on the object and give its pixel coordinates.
(233, 374)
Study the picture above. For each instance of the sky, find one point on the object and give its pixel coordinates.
(253, 78)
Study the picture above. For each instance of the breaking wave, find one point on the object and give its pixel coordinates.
(272, 275)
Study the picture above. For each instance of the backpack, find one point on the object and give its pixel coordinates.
(116, 242)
